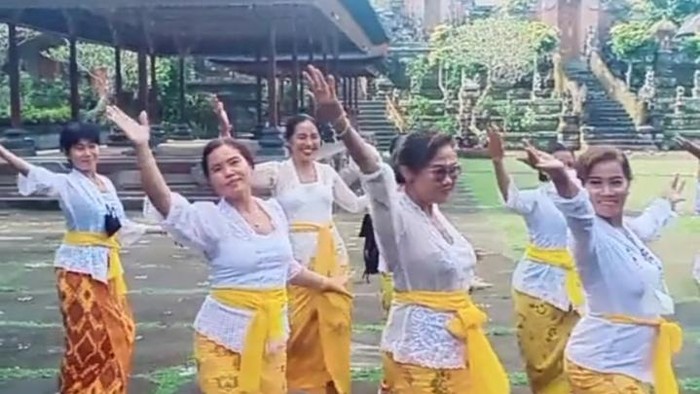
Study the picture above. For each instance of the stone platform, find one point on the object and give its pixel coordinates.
(180, 162)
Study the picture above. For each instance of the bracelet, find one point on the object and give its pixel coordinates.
(345, 131)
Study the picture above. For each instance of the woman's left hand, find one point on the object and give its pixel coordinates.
(674, 194)
(328, 107)
(336, 284)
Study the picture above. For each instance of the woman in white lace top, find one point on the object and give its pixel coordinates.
(433, 339)
(241, 328)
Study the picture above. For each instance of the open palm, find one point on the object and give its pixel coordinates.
(675, 192)
(328, 107)
(495, 146)
(137, 132)
(543, 161)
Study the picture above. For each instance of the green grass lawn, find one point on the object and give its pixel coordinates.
(652, 176)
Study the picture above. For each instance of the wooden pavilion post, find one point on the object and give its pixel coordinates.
(356, 93)
(74, 78)
(13, 62)
(143, 80)
(295, 73)
(153, 92)
(259, 90)
(273, 116)
(118, 81)
(181, 89)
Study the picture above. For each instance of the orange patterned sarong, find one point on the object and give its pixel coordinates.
(99, 335)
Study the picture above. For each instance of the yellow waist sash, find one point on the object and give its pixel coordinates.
(488, 375)
(115, 269)
(560, 258)
(668, 342)
(334, 309)
(267, 324)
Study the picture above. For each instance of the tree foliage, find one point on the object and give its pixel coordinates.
(630, 41)
(655, 10)
(518, 7)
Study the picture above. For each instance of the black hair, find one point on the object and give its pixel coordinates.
(214, 144)
(290, 126)
(394, 148)
(419, 148)
(74, 132)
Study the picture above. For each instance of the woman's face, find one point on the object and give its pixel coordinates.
(305, 141)
(229, 172)
(608, 188)
(434, 183)
(84, 155)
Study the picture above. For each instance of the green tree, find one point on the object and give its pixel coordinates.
(655, 10)
(631, 42)
(518, 8)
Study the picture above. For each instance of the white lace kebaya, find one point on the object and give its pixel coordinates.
(420, 258)
(84, 208)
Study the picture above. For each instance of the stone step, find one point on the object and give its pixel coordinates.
(619, 141)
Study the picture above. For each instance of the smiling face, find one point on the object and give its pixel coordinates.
(229, 172)
(608, 187)
(84, 155)
(434, 183)
(304, 141)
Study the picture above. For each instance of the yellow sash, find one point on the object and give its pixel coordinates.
(116, 271)
(669, 341)
(267, 325)
(334, 309)
(560, 258)
(488, 374)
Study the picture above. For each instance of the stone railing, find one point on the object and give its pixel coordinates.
(618, 90)
(394, 114)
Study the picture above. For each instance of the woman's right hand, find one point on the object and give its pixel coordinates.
(495, 146)
(137, 132)
(544, 161)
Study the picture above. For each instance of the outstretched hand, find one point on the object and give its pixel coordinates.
(328, 107)
(674, 194)
(137, 132)
(495, 146)
(542, 160)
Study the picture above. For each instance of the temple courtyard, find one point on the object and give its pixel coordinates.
(167, 284)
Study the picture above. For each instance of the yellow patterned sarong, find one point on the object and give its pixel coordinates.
(413, 379)
(266, 327)
(386, 286)
(318, 353)
(585, 381)
(543, 332)
(487, 375)
(219, 369)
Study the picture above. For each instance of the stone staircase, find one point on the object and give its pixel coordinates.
(608, 123)
(373, 118)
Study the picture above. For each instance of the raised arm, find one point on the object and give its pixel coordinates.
(658, 214)
(33, 180)
(345, 197)
(225, 127)
(152, 179)
(19, 164)
(330, 110)
(517, 201)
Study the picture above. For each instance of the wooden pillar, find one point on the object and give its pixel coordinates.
(295, 74)
(181, 89)
(273, 117)
(259, 90)
(356, 92)
(324, 55)
(349, 89)
(153, 92)
(74, 78)
(13, 62)
(143, 80)
(118, 81)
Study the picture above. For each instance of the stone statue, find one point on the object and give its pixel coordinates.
(678, 104)
(696, 84)
(648, 91)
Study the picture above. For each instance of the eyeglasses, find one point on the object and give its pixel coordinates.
(440, 173)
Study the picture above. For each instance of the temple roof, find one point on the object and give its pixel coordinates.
(207, 27)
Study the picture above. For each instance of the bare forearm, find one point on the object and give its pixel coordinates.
(502, 178)
(13, 160)
(564, 184)
(310, 279)
(152, 180)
